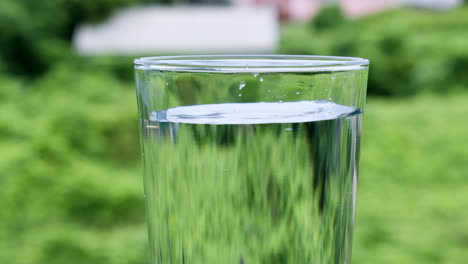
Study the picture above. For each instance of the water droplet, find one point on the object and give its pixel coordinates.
(261, 79)
(153, 116)
(298, 92)
(255, 75)
(242, 85)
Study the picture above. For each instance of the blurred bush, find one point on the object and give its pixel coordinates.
(410, 50)
(71, 187)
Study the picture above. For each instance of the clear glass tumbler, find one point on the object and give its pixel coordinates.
(250, 159)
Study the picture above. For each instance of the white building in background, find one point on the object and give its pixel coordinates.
(247, 26)
(295, 10)
(433, 4)
(158, 29)
(356, 8)
(303, 10)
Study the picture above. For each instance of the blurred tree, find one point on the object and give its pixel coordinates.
(328, 17)
(35, 34)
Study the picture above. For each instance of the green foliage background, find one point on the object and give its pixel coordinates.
(70, 178)
(411, 51)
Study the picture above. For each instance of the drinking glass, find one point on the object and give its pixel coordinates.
(250, 159)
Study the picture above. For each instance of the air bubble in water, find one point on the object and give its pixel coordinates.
(241, 85)
(298, 93)
(261, 79)
(240, 95)
(255, 75)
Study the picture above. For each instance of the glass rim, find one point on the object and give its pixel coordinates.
(251, 63)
